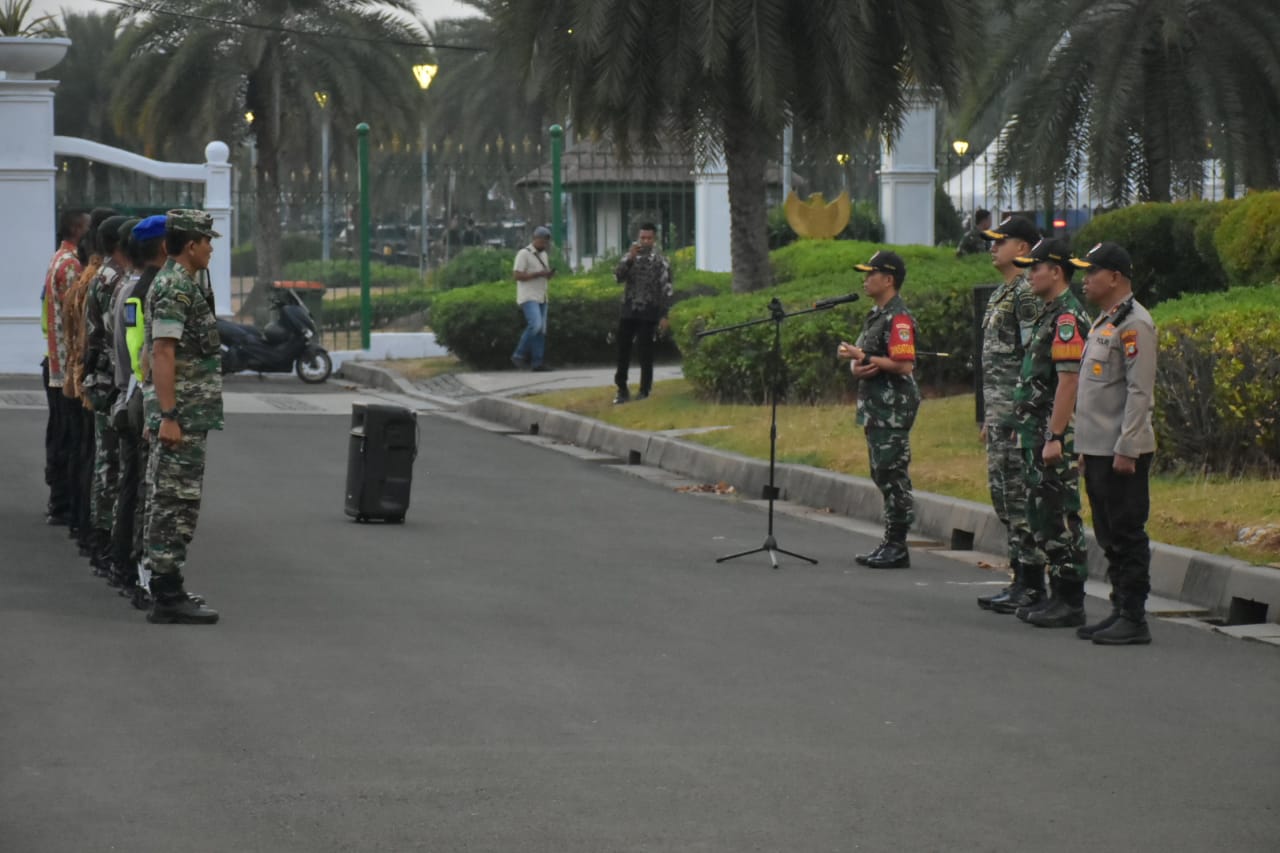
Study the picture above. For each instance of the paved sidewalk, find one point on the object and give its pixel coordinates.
(519, 383)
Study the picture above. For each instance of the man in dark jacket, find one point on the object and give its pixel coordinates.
(646, 276)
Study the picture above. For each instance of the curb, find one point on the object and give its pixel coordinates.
(1225, 586)
(379, 377)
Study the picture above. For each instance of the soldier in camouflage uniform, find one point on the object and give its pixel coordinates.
(882, 359)
(1043, 405)
(1006, 328)
(187, 394)
(99, 389)
(975, 242)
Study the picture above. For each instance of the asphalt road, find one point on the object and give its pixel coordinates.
(546, 658)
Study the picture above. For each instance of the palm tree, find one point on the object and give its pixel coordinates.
(1141, 92)
(188, 77)
(82, 108)
(15, 21)
(737, 72)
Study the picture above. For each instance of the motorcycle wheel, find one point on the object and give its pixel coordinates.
(314, 367)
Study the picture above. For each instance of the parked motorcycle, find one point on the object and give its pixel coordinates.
(289, 344)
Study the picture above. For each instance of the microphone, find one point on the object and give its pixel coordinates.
(833, 301)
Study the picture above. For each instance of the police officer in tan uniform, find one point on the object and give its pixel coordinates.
(1115, 438)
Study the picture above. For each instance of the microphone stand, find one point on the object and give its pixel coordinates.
(776, 315)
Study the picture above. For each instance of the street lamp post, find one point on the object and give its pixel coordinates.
(424, 74)
(961, 147)
(326, 214)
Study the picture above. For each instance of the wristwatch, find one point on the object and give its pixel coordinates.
(169, 414)
(1050, 435)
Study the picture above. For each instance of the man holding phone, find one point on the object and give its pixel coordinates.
(646, 296)
(532, 272)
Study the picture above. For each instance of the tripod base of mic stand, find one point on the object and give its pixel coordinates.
(770, 547)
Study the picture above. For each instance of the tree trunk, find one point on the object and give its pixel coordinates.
(266, 225)
(746, 149)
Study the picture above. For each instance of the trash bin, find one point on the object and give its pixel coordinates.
(981, 295)
(310, 292)
(383, 446)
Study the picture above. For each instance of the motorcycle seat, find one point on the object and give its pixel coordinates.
(275, 334)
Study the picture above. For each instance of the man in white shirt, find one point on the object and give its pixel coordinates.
(532, 273)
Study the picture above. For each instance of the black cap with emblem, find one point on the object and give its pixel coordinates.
(1052, 249)
(1106, 256)
(886, 262)
(1015, 227)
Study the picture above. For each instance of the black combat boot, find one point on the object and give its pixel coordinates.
(1027, 591)
(1129, 628)
(1086, 632)
(894, 554)
(984, 601)
(1066, 610)
(172, 606)
(861, 559)
(1036, 576)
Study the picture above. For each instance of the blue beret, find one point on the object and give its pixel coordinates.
(149, 228)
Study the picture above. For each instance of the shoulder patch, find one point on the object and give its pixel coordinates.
(1129, 337)
(1068, 345)
(902, 338)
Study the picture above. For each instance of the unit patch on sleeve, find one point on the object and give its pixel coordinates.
(1129, 337)
(902, 339)
(1068, 345)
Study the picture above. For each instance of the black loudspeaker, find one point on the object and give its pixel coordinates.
(383, 446)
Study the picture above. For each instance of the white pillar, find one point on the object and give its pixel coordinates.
(217, 203)
(908, 172)
(711, 214)
(27, 215)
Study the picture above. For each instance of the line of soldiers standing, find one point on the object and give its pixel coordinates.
(1045, 362)
(133, 382)
(1042, 424)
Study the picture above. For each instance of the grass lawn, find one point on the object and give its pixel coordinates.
(1195, 512)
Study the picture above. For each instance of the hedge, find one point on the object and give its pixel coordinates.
(1168, 259)
(1248, 240)
(344, 312)
(1193, 246)
(732, 366)
(474, 266)
(295, 247)
(1218, 381)
(336, 274)
(481, 324)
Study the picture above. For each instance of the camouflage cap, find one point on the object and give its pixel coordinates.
(196, 221)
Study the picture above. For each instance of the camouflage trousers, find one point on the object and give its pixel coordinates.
(1053, 513)
(1006, 480)
(889, 451)
(175, 481)
(106, 473)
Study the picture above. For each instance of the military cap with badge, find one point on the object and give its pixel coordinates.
(194, 221)
(886, 262)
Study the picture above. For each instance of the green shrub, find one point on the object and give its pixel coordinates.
(1218, 381)
(296, 247)
(344, 312)
(733, 366)
(1248, 240)
(474, 266)
(481, 324)
(343, 274)
(1168, 261)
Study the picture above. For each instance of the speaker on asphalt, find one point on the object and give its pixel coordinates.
(383, 446)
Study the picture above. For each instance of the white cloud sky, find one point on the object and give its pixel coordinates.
(431, 10)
